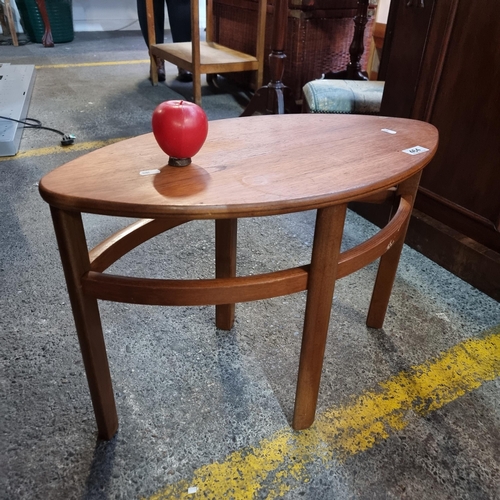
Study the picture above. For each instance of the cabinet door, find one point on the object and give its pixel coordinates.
(442, 65)
(400, 66)
(461, 187)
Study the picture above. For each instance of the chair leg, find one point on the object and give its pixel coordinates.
(197, 87)
(153, 71)
(12, 26)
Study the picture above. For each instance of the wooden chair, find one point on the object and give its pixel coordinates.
(206, 57)
(347, 91)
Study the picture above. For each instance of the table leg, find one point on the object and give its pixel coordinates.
(225, 266)
(388, 264)
(321, 285)
(75, 261)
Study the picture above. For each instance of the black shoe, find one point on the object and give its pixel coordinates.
(161, 70)
(184, 76)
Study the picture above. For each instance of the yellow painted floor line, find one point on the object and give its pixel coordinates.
(78, 146)
(273, 466)
(90, 64)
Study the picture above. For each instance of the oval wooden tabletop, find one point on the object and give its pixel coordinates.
(259, 165)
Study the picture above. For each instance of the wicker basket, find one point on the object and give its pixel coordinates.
(60, 14)
(319, 33)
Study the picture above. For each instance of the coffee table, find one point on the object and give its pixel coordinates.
(248, 167)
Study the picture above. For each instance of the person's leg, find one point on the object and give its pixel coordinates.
(179, 15)
(159, 18)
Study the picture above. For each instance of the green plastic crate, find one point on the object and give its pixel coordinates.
(60, 14)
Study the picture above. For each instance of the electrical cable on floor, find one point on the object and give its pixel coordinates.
(67, 139)
(127, 25)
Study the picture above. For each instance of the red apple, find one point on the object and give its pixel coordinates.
(180, 128)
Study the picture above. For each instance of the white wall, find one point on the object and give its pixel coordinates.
(382, 11)
(110, 15)
(15, 15)
(106, 15)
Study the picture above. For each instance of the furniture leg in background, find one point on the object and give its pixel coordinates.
(153, 70)
(47, 39)
(206, 57)
(353, 70)
(275, 97)
(10, 20)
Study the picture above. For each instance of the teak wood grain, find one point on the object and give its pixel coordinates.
(257, 166)
(273, 164)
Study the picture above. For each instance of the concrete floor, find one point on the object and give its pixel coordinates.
(410, 411)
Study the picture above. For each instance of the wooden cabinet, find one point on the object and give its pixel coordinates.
(441, 64)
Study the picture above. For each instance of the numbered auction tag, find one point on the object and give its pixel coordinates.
(149, 172)
(415, 150)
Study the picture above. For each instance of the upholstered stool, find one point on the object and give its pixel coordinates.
(343, 96)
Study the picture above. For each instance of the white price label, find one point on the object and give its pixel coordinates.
(415, 150)
(149, 172)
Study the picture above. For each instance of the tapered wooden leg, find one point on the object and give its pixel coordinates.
(321, 285)
(75, 260)
(225, 266)
(388, 264)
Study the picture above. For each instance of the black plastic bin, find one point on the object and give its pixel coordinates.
(60, 14)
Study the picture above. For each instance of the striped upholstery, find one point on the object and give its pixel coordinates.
(343, 96)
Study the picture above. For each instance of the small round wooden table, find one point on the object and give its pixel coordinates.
(248, 167)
